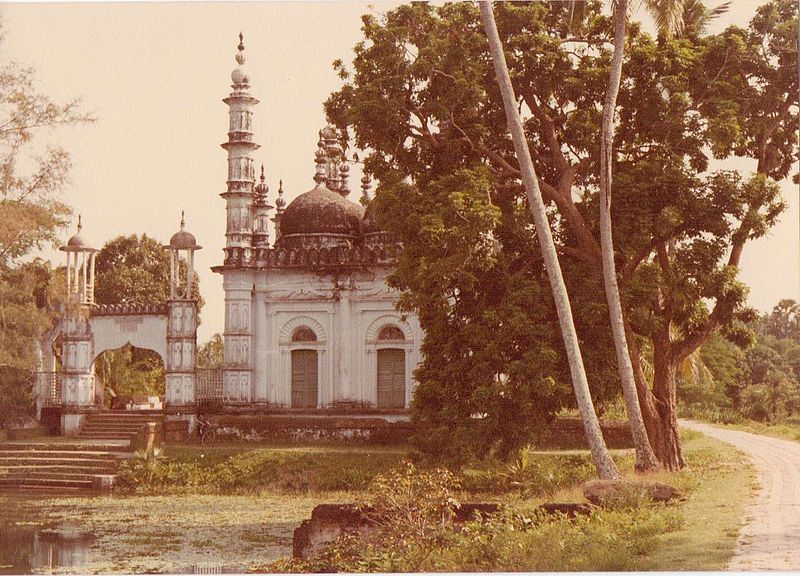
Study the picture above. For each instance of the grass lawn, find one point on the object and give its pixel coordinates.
(718, 483)
(789, 430)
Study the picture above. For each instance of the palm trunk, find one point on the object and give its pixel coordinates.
(645, 459)
(600, 456)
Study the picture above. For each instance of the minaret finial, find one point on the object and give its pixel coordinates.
(240, 47)
(322, 170)
(344, 173)
(262, 174)
(183, 221)
(366, 184)
(280, 203)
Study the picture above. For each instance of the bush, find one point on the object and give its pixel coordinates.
(414, 531)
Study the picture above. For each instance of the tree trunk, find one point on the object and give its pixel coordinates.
(667, 442)
(645, 459)
(600, 456)
(658, 405)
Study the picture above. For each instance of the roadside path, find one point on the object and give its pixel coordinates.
(770, 537)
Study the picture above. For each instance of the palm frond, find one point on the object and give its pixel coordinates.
(667, 15)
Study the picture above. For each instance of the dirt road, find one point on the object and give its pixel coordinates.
(770, 538)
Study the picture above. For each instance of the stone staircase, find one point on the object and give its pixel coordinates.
(59, 466)
(72, 464)
(117, 425)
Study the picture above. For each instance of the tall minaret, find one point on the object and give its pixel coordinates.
(241, 169)
(237, 283)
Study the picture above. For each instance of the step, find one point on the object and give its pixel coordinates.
(116, 429)
(52, 476)
(22, 482)
(83, 454)
(72, 446)
(127, 421)
(32, 461)
(56, 468)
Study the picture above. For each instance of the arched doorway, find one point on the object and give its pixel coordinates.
(391, 384)
(305, 372)
(129, 377)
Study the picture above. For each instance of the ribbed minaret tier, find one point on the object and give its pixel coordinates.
(241, 168)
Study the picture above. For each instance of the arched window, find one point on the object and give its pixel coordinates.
(304, 334)
(391, 333)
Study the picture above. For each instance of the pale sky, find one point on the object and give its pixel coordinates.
(154, 75)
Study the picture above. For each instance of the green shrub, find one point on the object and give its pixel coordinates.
(414, 531)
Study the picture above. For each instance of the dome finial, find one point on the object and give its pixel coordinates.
(80, 226)
(183, 221)
(262, 174)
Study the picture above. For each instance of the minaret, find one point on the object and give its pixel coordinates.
(261, 208)
(77, 384)
(237, 283)
(179, 364)
(241, 170)
(280, 205)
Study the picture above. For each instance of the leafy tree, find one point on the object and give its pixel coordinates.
(422, 101)
(133, 269)
(209, 354)
(602, 458)
(31, 212)
(771, 389)
(33, 172)
(784, 321)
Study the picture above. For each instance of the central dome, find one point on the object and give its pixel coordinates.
(321, 211)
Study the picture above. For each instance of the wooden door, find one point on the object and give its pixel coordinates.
(304, 379)
(391, 378)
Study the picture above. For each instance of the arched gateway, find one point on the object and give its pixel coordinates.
(87, 330)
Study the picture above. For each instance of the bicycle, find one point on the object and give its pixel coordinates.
(203, 431)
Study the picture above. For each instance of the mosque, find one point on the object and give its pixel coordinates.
(310, 321)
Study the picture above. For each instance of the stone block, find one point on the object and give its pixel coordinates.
(568, 509)
(601, 492)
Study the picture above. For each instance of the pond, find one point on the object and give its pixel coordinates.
(188, 534)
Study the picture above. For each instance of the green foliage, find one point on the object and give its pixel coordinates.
(129, 371)
(421, 98)
(784, 321)
(31, 212)
(135, 269)
(209, 354)
(529, 474)
(33, 172)
(248, 471)
(414, 531)
(30, 293)
(761, 383)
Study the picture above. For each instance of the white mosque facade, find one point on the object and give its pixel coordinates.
(310, 321)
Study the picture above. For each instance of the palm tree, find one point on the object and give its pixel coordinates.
(683, 18)
(600, 456)
(645, 457)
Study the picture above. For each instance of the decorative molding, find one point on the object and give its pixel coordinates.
(285, 335)
(389, 320)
